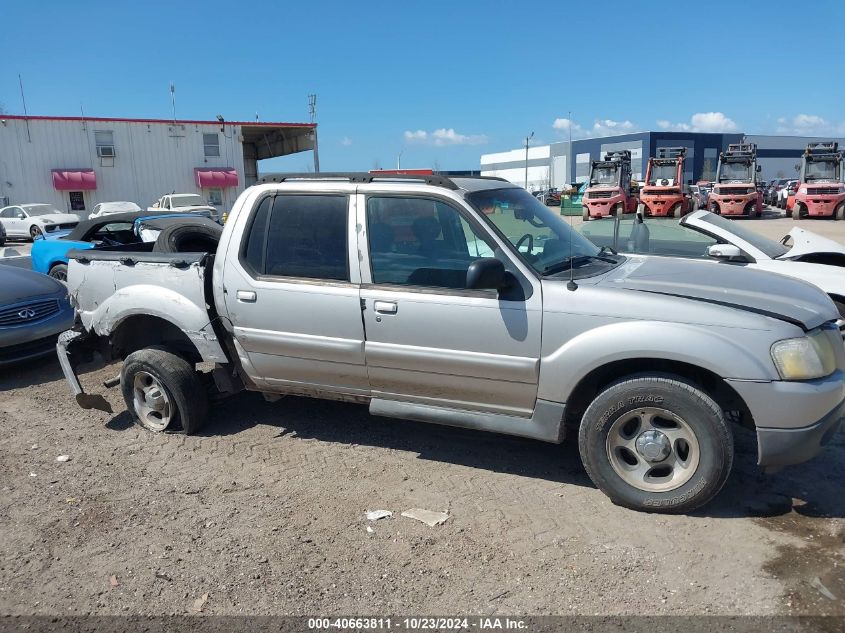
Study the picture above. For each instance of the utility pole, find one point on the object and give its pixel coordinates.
(570, 160)
(527, 139)
(399, 159)
(312, 112)
(173, 100)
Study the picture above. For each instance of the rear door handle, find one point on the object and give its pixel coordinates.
(385, 307)
(246, 296)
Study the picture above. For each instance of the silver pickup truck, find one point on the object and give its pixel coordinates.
(467, 302)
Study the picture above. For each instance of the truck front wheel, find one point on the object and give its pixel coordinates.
(656, 444)
(162, 390)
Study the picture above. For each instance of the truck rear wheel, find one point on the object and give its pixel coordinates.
(162, 389)
(839, 214)
(657, 444)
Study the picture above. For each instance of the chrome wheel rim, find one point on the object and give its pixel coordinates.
(152, 404)
(653, 449)
(60, 275)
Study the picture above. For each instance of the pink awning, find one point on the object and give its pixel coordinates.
(74, 179)
(216, 177)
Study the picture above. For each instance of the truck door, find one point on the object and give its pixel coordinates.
(292, 294)
(429, 339)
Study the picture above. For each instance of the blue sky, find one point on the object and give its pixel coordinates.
(441, 82)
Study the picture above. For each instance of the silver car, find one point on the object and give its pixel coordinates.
(467, 302)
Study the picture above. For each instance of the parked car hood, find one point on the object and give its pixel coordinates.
(777, 296)
(57, 218)
(806, 242)
(20, 284)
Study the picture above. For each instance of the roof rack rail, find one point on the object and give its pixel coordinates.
(360, 177)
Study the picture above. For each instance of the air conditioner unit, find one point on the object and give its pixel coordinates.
(105, 151)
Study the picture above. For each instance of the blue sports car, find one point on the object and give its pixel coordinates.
(49, 256)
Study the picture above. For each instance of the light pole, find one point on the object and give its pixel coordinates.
(527, 138)
(569, 159)
(399, 159)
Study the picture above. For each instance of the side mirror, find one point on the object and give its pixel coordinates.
(487, 273)
(726, 252)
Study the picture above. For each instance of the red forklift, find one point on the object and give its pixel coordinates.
(609, 190)
(821, 187)
(736, 191)
(664, 192)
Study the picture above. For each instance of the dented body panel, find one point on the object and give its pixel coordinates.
(106, 292)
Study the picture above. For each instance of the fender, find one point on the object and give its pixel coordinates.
(561, 368)
(160, 302)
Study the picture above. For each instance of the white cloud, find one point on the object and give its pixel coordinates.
(444, 136)
(809, 125)
(600, 127)
(346, 141)
(715, 122)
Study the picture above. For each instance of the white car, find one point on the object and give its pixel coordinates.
(703, 235)
(107, 208)
(32, 220)
(783, 193)
(183, 202)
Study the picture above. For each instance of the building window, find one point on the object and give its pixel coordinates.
(104, 139)
(215, 197)
(211, 144)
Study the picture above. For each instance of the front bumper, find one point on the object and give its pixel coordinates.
(819, 205)
(34, 340)
(793, 419)
(732, 205)
(602, 207)
(783, 447)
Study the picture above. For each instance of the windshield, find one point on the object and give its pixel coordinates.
(735, 172)
(40, 209)
(662, 172)
(188, 200)
(604, 175)
(540, 235)
(771, 248)
(822, 170)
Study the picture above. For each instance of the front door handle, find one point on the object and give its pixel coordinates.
(385, 307)
(246, 296)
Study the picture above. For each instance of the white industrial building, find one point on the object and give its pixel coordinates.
(76, 162)
(562, 163)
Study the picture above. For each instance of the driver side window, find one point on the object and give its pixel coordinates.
(421, 242)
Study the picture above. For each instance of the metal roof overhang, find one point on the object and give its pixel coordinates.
(269, 141)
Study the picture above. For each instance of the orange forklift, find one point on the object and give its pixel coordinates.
(736, 191)
(664, 192)
(821, 190)
(609, 191)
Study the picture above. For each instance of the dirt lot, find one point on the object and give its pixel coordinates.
(264, 512)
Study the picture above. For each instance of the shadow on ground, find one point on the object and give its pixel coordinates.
(811, 490)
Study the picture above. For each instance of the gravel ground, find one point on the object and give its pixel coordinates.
(264, 512)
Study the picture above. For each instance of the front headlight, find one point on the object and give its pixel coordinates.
(804, 358)
(803, 191)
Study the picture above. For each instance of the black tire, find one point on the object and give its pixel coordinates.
(671, 393)
(188, 238)
(179, 380)
(59, 272)
(34, 232)
(714, 208)
(585, 214)
(796, 212)
(678, 210)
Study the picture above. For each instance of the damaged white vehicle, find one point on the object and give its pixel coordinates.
(704, 235)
